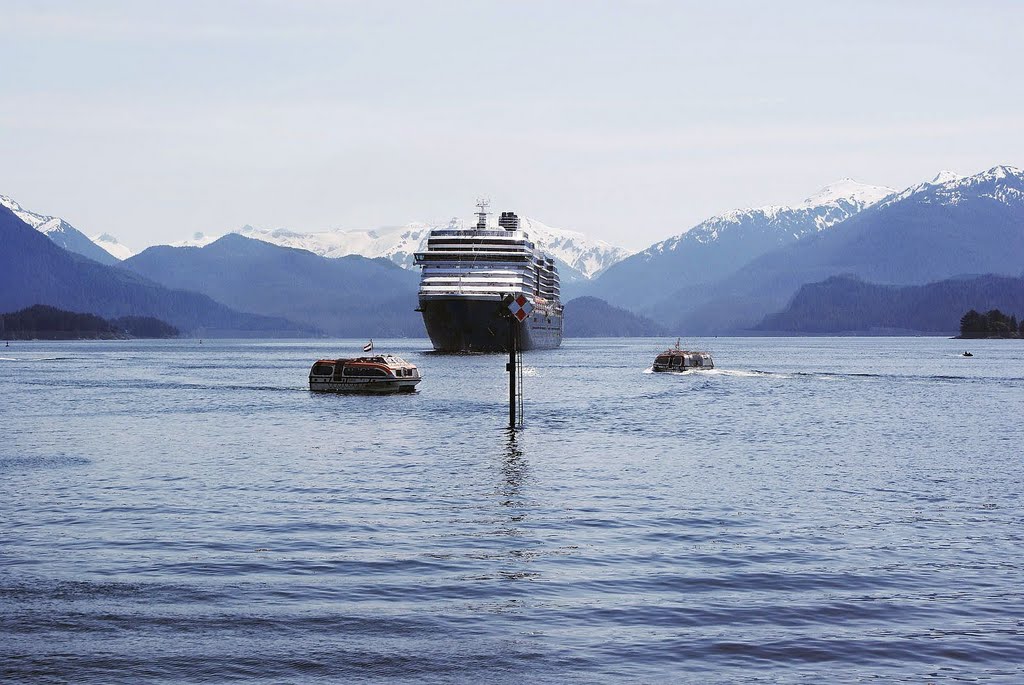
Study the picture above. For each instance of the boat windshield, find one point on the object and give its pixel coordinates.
(322, 369)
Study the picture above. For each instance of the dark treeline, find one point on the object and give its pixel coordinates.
(42, 322)
(145, 327)
(991, 324)
(845, 304)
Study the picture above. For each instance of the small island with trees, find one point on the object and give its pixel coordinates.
(42, 322)
(991, 324)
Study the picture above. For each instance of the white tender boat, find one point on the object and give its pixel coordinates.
(678, 359)
(383, 373)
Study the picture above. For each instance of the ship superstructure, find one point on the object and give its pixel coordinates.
(467, 273)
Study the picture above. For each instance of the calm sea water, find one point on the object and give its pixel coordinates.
(815, 510)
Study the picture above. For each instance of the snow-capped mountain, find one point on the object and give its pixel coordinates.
(1000, 183)
(399, 244)
(589, 257)
(60, 231)
(946, 228)
(198, 239)
(944, 177)
(723, 243)
(112, 246)
(834, 203)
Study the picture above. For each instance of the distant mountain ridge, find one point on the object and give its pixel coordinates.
(60, 232)
(348, 296)
(34, 270)
(344, 296)
(929, 232)
(590, 317)
(579, 257)
(395, 243)
(725, 275)
(723, 243)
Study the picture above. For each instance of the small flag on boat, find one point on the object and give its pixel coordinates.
(368, 347)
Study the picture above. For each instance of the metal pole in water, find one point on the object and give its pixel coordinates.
(511, 372)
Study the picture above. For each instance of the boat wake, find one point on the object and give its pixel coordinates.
(733, 373)
(750, 373)
(832, 376)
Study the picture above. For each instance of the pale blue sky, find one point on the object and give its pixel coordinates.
(627, 121)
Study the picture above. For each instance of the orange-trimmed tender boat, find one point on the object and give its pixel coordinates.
(381, 373)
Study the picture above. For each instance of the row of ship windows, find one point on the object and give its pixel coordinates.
(459, 252)
(459, 267)
(485, 291)
(476, 234)
(495, 254)
(447, 276)
(454, 281)
(465, 244)
(525, 287)
(479, 277)
(464, 255)
(488, 240)
(490, 287)
(518, 266)
(451, 278)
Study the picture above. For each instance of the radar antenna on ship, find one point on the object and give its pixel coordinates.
(482, 204)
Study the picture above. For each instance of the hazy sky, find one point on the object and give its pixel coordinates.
(627, 121)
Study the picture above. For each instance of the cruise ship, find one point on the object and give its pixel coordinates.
(469, 277)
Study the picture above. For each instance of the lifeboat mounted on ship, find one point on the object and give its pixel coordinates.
(678, 359)
(382, 373)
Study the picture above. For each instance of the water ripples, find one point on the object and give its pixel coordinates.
(795, 515)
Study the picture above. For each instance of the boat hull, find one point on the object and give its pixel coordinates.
(463, 324)
(370, 386)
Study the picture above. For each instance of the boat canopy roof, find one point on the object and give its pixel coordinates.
(386, 359)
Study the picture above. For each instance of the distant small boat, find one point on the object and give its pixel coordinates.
(382, 373)
(966, 354)
(678, 359)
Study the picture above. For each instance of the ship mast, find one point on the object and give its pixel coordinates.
(482, 204)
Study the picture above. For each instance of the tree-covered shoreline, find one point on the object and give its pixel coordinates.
(991, 324)
(42, 322)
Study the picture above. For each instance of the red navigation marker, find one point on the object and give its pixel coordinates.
(520, 308)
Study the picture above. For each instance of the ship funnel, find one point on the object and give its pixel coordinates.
(509, 221)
